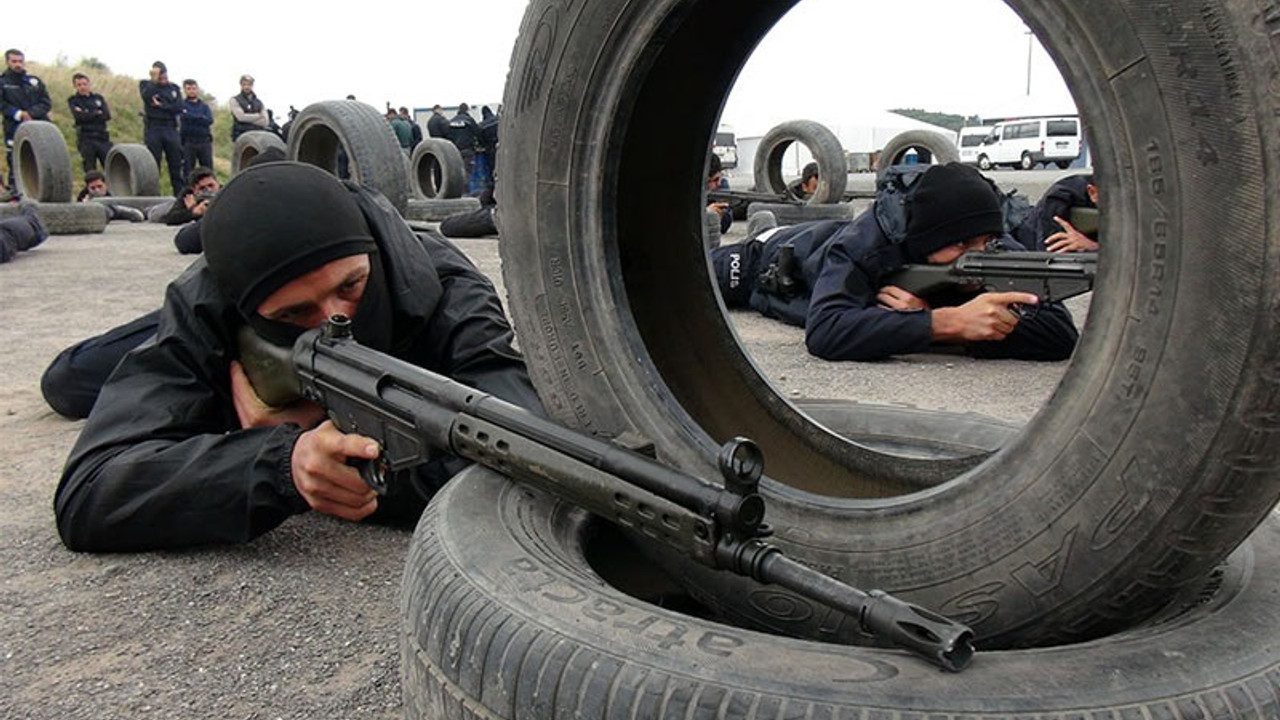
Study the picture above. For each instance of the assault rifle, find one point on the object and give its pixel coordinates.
(1049, 276)
(413, 412)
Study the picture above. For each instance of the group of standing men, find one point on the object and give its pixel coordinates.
(179, 126)
(477, 142)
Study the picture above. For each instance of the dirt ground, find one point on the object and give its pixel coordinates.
(303, 622)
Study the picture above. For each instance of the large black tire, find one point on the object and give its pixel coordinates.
(823, 145)
(511, 608)
(41, 162)
(930, 147)
(374, 157)
(1159, 450)
(436, 170)
(131, 170)
(252, 144)
(66, 218)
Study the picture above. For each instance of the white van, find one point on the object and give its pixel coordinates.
(969, 139)
(1029, 142)
(726, 147)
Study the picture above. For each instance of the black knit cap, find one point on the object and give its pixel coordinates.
(949, 204)
(275, 222)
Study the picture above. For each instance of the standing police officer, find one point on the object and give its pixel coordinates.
(161, 106)
(465, 134)
(91, 113)
(23, 97)
(197, 129)
(438, 124)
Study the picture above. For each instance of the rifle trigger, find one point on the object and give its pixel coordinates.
(373, 472)
(1024, 311)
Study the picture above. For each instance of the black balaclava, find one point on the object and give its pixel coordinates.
(276, 222)
(949, 204)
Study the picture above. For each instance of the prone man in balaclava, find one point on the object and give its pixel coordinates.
(952, 209)
(179, 450)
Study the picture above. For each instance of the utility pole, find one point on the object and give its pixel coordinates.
(1030, 40)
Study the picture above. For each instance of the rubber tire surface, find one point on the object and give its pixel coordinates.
(131, 170)
(66, 218)
(436, 170)
(1025, 162)
(41, 162)
(503, 616)
(435, 210)
(824, 146)
(1158, 452)
(910, 431)
(140, 202)
(374, 157)
(711, 234)
(942, 148)
(788, 214)
(252, 144)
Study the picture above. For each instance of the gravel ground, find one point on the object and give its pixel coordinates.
(302, 623)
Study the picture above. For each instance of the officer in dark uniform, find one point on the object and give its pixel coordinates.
(951, 209)
(828, 276)
(465, 134)
(1046, 226)
(23, 97)
(487, 150)
(161, 106)
(180, 451)
(197, 130)
(91, 113)
(438, 125)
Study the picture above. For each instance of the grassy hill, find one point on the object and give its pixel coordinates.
(121, 93)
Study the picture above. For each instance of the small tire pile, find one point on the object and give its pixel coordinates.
(833, 170)
(42, 173)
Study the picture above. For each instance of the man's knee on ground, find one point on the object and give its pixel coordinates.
(63, 390)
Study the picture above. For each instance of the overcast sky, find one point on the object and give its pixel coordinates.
(825, 61)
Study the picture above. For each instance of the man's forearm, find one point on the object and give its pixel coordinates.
(208, 489)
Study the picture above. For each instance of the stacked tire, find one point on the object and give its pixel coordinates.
(1156, 457)
(42, 173)
(833, 174)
